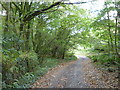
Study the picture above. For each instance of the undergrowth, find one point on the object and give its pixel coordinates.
(108, 62)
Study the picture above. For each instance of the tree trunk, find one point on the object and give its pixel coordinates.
(109, 31)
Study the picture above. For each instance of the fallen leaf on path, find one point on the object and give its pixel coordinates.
(63, 79)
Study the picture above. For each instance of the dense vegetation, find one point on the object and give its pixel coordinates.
(39, 35)
(106, 36)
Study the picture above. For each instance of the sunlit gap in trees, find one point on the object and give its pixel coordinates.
(81, 50)
(93, 6)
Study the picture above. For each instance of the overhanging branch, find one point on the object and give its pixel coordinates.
(28, 17)
(31, 16)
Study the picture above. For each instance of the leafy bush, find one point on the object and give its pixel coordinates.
(28, 60)
(24, 81)
(15, 64)
(104, 58)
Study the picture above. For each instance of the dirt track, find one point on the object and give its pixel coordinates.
(68, 76)
(76, 74)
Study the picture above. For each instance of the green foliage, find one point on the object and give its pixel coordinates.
(105, 59)
(104, 32)
(24, 81)
(18, 65)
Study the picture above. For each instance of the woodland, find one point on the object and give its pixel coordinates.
(37, 36)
